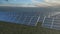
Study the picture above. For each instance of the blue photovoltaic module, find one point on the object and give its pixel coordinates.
(52, 22)
(27, 18)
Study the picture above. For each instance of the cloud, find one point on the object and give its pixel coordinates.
(52, 2)
(46, 2)
(38, 3)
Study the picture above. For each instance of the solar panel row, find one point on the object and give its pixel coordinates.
(20, 18)
(53, 23)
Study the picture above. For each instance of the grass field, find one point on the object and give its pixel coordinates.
(9, 28)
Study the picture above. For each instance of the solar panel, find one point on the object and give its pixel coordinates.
(27, 18)
(47, 22)
(53, 22)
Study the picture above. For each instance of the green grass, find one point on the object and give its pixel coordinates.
(9, 28)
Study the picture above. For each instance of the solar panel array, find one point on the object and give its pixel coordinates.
(53, 22)
(27, 18)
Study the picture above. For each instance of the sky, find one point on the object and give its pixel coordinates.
(32, 3)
